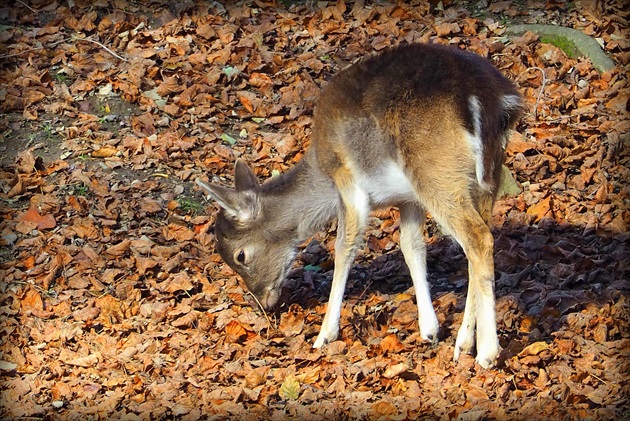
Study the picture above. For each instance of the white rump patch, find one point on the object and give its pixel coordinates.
(475, 142)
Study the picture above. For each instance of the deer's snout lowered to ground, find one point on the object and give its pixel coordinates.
(420, 127)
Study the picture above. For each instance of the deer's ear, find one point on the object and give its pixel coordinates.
(244, 177)
(241, 207)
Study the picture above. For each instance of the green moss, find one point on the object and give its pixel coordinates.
(563, 43)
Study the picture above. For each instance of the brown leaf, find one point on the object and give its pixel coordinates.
(178, 232)
(519, 144)
(259, 79)
(32, 301)
(446, 28)
(41, 221)
(106, 151)
(540, 209)
(118, 250)
(475, 395)
(310, 376)
(45, 203)
(336, 348)
(247, 103)
(111, 310)
(383, 408)
(169, 86)
(256, 377)
(394, 370)
(165, 251)
(534, 349)
(391, 343)
(179, 282)
(206, 31)
(144, 263)
(68, 357)
(292, 322)
(235, 330)
(187, 320)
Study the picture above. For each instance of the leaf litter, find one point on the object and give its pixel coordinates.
(115, 303)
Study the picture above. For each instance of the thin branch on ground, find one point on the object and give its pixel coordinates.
(542, 87)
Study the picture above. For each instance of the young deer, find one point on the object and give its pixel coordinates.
(421, 127)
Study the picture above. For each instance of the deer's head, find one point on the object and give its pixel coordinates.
(252, 239)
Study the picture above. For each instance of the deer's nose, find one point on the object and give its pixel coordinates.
(270, 298)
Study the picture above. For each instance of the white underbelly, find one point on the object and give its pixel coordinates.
(387, 185)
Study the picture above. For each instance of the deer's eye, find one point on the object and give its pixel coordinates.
(240, 257)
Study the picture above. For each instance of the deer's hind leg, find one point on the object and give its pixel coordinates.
(446, 191)
(413, 247)
(461, 219)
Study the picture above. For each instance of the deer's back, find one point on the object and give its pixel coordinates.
(413, 107)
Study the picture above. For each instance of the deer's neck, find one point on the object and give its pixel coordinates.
(303, 200)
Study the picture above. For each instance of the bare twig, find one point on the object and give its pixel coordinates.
(542, 87)
(263, 310)
(27, 6)
(72, 38)
(54, 44)
(100, 45)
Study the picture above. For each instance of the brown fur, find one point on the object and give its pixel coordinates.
(421, 127)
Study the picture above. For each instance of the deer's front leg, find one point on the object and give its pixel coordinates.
(352, 219)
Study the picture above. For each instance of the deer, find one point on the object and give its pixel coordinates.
(421, 127)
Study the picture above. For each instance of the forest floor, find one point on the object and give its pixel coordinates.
(114, 303)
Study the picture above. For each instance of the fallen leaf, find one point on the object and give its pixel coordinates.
(290, 389)
(71, 358)
(41, 221)
(106, 151)
(534, 349)
(394, 370)
(292, 322)
(540, 209)
(391, 343)
(7, 365)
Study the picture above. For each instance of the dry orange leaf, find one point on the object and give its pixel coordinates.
(292, 322)
(119, 249)
(527, 324)
(391, 343)
(45, 203)
(112, 311)
(77, 203)
(247, 103)
(311, 376)
(446, 28)
(178, 233)
(383, 408)
(519, 144)
(259, 79)
(32, 301)
(180, 282)
(41, 221)
(394, 370)
(106, 151)
(235, 330)
(170, 85)
(540, 209)
(534, 349)
(29, 262)
(71, 358)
